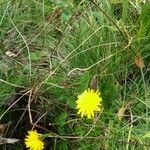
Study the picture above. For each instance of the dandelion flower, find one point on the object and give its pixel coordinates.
(89, 102)
(33, 141)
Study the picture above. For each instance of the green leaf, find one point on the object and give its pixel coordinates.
(72, 103)
(61, 119)
(35, 56)
(63, 146)
(4, 68)
(147, 135)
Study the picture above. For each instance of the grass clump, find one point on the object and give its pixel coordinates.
(49, 52)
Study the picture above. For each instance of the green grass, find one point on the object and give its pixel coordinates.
(58, 46)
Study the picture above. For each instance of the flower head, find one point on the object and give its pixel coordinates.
(89, 102)
(33, 141)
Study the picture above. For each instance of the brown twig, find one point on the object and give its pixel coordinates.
(95, 138)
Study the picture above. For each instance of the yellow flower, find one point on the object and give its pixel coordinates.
(88, 102)
(33, 141)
